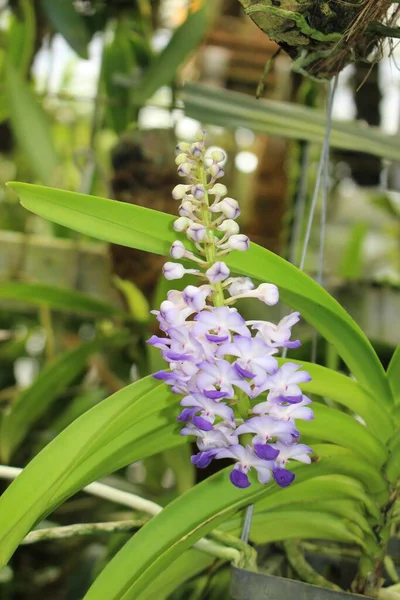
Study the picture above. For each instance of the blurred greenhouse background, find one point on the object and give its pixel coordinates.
(92, 101)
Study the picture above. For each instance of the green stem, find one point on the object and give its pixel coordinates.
(303, 569)
(209, 245)
(80, 529)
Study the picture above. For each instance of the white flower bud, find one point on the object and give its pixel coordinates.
(181, 224)
(229, 227)
(184, 169)
(216, 171)
(195, 297)
(198, 191)
(196, 232)
(181, 158)
(197, 149)
(182, 147)
(200, 135)
(218, 155)
(173, 270)
(219, 189)
(178, 250)
(237, 242)
(228, 207)
(266, 292)
(240, 285)
(217, 272)
(179, 191)
(187, 209)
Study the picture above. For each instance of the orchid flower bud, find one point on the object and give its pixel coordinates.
(178, 250)
(187, 209)
(218, 272)
(218, 155)
(196, 232)
(228, 207)
(179, 191)
(240, 285)
(181, 224)
(229, 226)
(181, 158)
(182, 147)
(219, 189)
(176, 271)
(195, 297)
(237, 242)
(184, 169)
(266, 292)
(216, 171)
(198, 191)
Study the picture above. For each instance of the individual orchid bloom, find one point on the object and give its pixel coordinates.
(266, 292)
(299, 452)
(195, 297)
(283, 385)
(220, 436)
(246, 459)
(254, 357)
(278, 335)
(184, 346)
(286, 412)
(267, 430)
(219, 323)
(170, 315)
(220, 375)
(208, 409)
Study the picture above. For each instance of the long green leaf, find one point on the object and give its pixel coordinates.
(58, 298)
(69, 24)
(119, 430)
(233, 109)
(394, 374)
(330, 425)
(35, 400)
(30, 126)
(137, 227)
(348, 393)
(285, 524)
(317, 489)
(187, 519)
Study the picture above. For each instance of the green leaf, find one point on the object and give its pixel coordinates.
(149, 230)
(330, 459)
(135, 299)
(30, 126)
(318, 489)
(58, 299)
(184, 41)
(285, 119)
(348, 393)
(393, 373)
(278, 526)
(331, 425)
(125, 427)
(69, 24)
(191, 516)
(190, 563)
(34, 401)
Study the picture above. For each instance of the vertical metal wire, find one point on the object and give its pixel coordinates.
(322, 177)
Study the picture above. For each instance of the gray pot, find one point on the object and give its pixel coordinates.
(246, 585)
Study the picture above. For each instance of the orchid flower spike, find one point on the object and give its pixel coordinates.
(217, 361)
